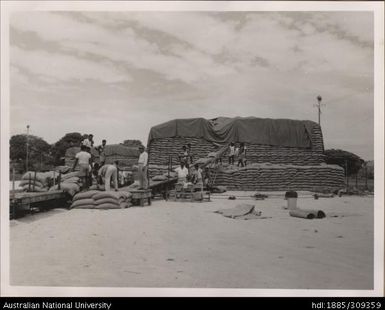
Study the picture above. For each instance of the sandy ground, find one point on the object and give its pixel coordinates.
(184, 244)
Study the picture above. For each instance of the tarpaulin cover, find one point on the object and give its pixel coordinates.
(283, 132)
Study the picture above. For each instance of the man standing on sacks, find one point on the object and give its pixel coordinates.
(142, 168)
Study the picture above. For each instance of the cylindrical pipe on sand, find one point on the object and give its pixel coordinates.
(291, 198)
(307, 214)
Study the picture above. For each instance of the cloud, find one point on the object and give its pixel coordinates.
(123, 46)
(63, 67)
(143, 68)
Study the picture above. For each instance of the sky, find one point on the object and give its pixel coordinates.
(117, 74)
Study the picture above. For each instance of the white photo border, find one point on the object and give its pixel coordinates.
(7, 7)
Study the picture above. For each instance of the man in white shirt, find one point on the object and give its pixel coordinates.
(108, 172)
(83, 158)
(102, 152)
(182, 173)
(231, 153)
(197, 178)
(142, 168)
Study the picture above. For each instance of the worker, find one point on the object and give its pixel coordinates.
(184, 156)
(83, 158)
(197, 179)
(95, 171)
(108, 172)
(242, 155)
(231, 153)
(102, 152)
(189, 153)
(91, 139)
(87, 143)
(207, 178)
(142, 168)
(182, 173)
(236, 152)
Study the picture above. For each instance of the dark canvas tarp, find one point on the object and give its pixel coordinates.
(284, 132)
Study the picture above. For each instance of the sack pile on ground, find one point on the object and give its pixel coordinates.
(63, 169)
(70, 183)
(40, 183)
(127, 156)
(160, 149)
(95, 199)
(265, 177)
(159, 178)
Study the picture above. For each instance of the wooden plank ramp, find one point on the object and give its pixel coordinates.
(19, 201)
(34, 197)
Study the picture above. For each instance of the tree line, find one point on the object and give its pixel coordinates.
(42, 154)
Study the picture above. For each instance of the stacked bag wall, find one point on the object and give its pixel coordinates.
(160, 149)
(282, 178)
(36, 182)
(94, 199)
(269, 167)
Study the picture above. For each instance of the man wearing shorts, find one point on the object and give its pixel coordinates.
(108, 173)
(83, 158)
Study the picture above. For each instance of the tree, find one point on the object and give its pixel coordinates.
(343, 158)
(60, 147)
(132, 143)
(39, 151)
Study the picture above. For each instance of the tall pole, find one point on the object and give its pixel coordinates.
(26, 160)
(319, 98)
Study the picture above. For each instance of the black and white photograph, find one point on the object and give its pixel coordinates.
(192, 148)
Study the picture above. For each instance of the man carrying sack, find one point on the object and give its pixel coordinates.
(142, 168)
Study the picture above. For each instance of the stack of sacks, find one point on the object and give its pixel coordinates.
(94, 199)
(160, 149)
(165, 176)
(270, 177)
(63, 169)
(154, 170)
(39, 184)
(159, 178)
(127, 156)
(99, 187)
(69, 183)
(84, 199)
